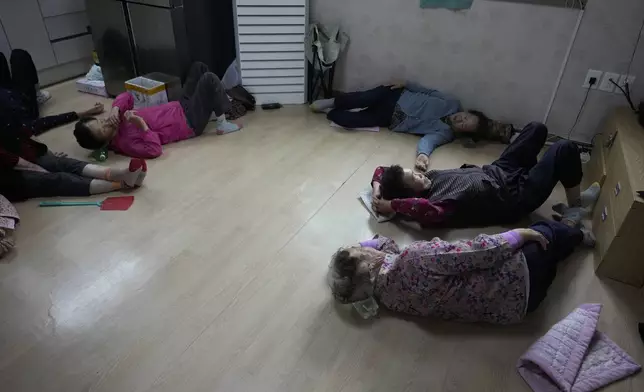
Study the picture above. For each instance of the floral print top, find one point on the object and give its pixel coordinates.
(479, 280)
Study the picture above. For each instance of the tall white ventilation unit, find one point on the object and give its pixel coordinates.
(270, 39)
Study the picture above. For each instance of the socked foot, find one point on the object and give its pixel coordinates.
(589, 196)
(132, 175)
(589, 237)
(224, 127)
(322, 105)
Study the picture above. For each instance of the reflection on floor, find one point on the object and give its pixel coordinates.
(214, 279)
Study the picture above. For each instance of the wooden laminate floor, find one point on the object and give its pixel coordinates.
(214, 279)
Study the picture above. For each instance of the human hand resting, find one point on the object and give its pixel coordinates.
(529, 235)
(114, 119)
(422, 163)
(377, 193)
(396, 84)
(133, 118)
(98, 108)
(382, 206)
(25, 165)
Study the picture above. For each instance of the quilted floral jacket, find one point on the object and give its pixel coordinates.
(485, 279)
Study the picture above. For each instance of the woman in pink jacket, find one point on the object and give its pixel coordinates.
(492, 278)
(141, 133)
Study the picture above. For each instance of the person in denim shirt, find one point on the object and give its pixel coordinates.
(407, 108)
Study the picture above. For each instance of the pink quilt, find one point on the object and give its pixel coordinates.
(573, 356)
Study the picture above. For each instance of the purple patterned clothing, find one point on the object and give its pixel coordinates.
(480, 280)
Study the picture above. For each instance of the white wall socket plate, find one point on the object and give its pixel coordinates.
(606, 85)
(593, 73)
(624, 78)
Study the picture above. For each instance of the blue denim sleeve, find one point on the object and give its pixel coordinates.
(417, 88)
(429, 142)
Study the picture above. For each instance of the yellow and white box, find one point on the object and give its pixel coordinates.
(146, 92)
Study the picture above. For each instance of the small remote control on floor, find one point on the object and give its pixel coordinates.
(271, 106)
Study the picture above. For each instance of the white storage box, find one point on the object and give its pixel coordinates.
(146, 92)
(96, 87)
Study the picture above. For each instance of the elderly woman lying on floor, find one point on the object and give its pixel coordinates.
(492, 278)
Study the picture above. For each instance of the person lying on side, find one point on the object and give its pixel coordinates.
(141, 133)
(496, 279)
(503, 192)
(29, 169)
(407, 108)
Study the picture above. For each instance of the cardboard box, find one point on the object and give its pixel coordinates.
(146, 92)
(95, 87)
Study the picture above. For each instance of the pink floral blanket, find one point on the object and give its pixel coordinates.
(574, 356)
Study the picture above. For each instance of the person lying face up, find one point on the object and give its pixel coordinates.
(141, 133)
(492, 278)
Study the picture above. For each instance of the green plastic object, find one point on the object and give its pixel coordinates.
(69, 203)
(99, 155)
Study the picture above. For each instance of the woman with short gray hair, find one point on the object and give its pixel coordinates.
(492, 278)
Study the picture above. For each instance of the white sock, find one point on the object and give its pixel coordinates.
(323, 105)
(224, 126)
(102, 186)
(130, 175)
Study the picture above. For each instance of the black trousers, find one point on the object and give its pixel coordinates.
(21, 77)
(379, 104)
(531, 182)
(64, 178)
(203, 94)
(542, 263)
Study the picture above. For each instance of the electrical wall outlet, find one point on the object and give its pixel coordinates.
(624, 78)
(606, 84)
(592, 73)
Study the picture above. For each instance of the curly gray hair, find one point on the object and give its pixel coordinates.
(348, 280)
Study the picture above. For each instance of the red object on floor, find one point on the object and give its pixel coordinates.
(117, 203)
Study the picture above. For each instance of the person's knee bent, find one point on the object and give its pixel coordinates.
(538, 128)
(212, 79)
(568, 163)
(567, 150)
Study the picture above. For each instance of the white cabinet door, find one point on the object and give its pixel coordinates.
(25, 29)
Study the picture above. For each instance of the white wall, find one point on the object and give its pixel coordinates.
(605, 41)
(502, 58)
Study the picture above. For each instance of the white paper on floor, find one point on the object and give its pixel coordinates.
(368, 129)
(366, 198)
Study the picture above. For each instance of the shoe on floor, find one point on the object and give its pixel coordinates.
(42, 96)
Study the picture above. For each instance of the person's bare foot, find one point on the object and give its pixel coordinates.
(422, 163)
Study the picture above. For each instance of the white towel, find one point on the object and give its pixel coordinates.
(366, 198)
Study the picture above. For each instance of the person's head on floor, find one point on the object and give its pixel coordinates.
(93, 133)
(472, 123)
(399, 183)
(350, 273)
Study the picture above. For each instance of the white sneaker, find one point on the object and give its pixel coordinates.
(42, 96)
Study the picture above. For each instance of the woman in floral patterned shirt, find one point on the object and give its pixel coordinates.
(492, 278)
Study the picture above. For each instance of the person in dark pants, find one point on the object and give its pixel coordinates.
(407, 108)
(20, 93)
(508, 189)
(542, 262)
(29, 169)
(141, 133)
(490, 278)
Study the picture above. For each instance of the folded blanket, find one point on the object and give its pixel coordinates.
(8, 220)
(574, 356)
